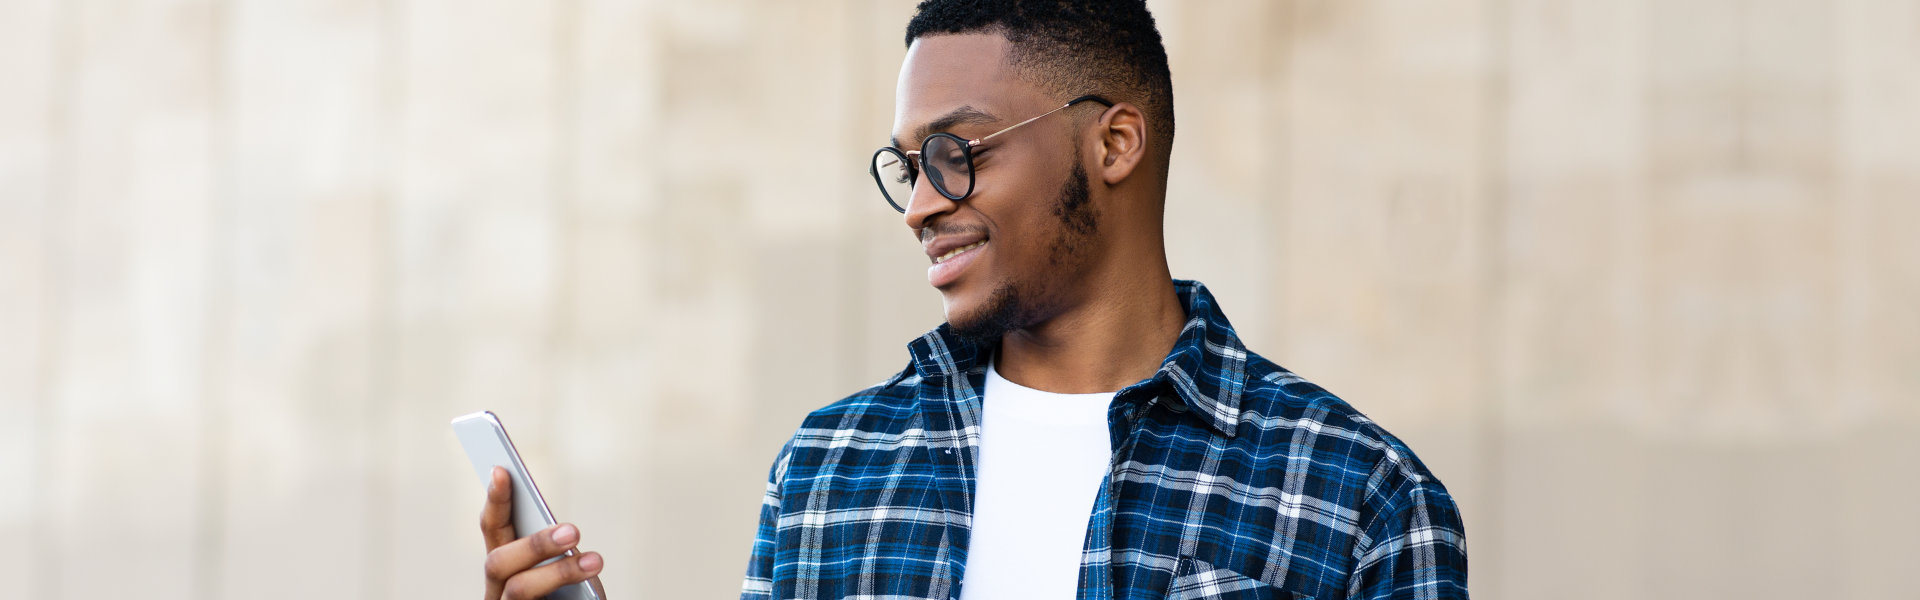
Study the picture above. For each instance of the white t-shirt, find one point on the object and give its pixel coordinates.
(1042, 459)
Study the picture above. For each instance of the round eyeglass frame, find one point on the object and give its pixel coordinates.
(914, 168)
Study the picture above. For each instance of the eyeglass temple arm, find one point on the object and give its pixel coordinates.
(1086, 98)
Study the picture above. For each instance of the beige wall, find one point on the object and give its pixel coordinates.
(1635, 278)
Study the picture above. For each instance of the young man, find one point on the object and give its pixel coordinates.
(1083, 425)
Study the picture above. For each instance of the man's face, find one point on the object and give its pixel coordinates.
(1025, 234)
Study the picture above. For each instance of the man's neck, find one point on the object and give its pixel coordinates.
(1114, 340)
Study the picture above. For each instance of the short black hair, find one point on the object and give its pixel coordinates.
(1073, 47)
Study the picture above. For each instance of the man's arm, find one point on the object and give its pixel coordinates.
(1415, 546)
(759, 581)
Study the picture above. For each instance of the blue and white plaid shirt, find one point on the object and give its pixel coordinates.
(1231, 478)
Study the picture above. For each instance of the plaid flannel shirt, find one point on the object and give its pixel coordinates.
(1231, 478)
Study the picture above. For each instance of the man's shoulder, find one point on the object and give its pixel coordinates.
(1281, 408)
(890, 402)
(879, 418)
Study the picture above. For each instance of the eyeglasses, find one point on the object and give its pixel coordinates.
(947, 160)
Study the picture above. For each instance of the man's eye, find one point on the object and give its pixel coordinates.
(955, 159)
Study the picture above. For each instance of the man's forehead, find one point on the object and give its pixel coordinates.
(955, 79)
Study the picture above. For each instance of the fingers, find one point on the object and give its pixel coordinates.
(539, 582)
(496, 516)
(511, 568)
(508, 560)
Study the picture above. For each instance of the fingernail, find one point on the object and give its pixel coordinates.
(590, 562)
(566, 535)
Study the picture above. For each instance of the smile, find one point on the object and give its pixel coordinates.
(957, 251)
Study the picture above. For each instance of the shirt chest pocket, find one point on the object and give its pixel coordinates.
(1196, 580)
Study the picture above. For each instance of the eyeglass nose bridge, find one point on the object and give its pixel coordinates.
(917, 167)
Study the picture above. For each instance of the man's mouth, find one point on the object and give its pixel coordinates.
(958, 251)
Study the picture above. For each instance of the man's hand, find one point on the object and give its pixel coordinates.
(511, 574)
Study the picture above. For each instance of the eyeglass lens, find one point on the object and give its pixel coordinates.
(947, 163)
(890, 169)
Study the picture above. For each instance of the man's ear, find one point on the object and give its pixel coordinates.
(1123, 142)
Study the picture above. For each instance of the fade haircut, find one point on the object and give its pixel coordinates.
(1072, 47)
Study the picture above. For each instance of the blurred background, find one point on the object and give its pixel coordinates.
(1636, 279)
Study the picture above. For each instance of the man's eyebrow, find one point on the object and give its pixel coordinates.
(965, 115)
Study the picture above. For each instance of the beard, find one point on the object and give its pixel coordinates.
(1014, 305)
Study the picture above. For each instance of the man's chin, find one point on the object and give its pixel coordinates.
(983, 320)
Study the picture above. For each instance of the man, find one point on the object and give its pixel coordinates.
(1083, 425)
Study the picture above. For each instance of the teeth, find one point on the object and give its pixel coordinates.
(957, 251)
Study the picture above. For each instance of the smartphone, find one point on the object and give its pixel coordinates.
(487, 447)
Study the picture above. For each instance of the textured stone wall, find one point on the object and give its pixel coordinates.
(1635, 278)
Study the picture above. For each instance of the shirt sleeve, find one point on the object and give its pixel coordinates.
(759, 580)
(1414, 545)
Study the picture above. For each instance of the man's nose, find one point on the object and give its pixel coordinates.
(925, 203)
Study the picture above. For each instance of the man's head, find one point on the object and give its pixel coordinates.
(1059, 206)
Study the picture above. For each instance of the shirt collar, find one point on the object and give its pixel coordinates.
(1206, 370)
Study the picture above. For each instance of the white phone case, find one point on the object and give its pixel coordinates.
(487, 447)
